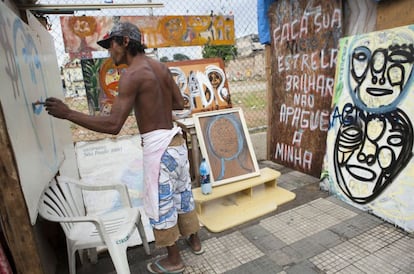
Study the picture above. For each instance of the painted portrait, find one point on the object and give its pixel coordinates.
(370, 140)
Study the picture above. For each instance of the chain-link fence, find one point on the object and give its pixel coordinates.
(245, 74)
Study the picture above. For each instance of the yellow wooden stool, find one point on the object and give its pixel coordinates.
(238, 202)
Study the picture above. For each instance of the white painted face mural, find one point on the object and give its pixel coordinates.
(375, 137)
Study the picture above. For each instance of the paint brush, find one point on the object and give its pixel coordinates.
(38, 103)
(37, 110)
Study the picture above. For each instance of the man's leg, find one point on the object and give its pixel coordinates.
(173, 261)
(189, 225)
(166, 230)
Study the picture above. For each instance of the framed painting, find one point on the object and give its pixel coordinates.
(225, 144)
(203, 84)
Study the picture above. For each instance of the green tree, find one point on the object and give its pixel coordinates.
(90, 70)
(180, 57)
(225, 52)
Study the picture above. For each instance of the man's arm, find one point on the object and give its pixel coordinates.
(178, 100)
(112, 123)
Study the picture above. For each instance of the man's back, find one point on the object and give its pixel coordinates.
(155, 90)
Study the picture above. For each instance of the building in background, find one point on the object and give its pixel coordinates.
(250, 61)
(73, 79)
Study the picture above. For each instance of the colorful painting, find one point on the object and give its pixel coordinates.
(225, 144)
(203, 84)
(305, 37)
(29, 74)
(80, 33)
(369, 151)
(101, 77)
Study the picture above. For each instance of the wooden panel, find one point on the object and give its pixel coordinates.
(391, 14)
(305, 35)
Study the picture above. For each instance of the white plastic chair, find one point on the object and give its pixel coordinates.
(63, 202)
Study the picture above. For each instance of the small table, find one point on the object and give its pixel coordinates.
(187, 124)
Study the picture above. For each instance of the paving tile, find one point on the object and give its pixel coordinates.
(289, 235)
(341, 213)
(289, 182)
(307, 248)
(341, 203)
(286, 185)
(399, 254)
(243, 250)
(349, 252)
(275, 223)
(269, 243)
(307, 211)
(350, 269)
(326, 238)
(374, 265)
(197, 269)
(376, 238)
(218, 256)
(255, 232)
(301, 268)
(354, 226)
(322, 204)
(262, 265)
(325, 221)
(285, 256)
(329, 262)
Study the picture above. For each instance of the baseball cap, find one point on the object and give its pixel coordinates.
(121, 29)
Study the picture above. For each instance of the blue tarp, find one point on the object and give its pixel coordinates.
(263, 20)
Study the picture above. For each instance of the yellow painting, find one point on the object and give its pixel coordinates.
(80, 33)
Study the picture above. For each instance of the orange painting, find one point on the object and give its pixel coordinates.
(80, 33)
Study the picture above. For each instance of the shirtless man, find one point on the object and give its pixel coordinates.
(148, 87)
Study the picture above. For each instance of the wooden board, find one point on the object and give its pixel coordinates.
(304, 54)
(391, 14)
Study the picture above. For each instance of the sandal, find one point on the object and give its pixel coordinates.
(162, 269)
(196, 252)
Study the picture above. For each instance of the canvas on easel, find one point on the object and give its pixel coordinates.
(225, 144)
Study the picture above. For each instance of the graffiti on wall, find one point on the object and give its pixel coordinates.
(80, 33)
(370, 140)
(305, 35)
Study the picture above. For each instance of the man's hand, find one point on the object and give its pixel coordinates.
(57, 108)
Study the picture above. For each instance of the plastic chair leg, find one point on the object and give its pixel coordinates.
(93, 255)
(71, 260)
(143, 235)
(119, 258)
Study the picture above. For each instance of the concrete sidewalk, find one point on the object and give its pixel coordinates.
(315, 233)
